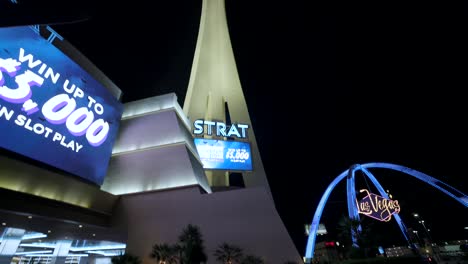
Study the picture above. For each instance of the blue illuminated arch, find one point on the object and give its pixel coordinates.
(351, 195)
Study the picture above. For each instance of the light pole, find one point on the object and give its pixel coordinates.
(426, 230)
(416, 216)
(419, 240)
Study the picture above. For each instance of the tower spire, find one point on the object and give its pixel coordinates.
(214, 85)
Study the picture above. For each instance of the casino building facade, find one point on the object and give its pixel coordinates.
(84, 177)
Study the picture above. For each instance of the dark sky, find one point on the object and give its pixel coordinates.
(327, 85)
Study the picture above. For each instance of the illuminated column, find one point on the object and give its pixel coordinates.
(214, 84)
(61, 251)
(9, 242)
(351, 193)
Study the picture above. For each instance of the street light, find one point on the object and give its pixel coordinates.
(426, 230)
(416, 233)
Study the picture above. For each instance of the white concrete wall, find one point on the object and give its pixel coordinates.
(245, 217)
(154, 149)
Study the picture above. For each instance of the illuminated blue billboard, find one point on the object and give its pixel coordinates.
(224, 155)
(52, 110)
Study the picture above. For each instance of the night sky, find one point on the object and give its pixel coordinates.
(327, 85)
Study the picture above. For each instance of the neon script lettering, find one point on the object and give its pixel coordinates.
(377, 207)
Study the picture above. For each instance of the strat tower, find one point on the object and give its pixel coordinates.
(215, 93)
(168, 166)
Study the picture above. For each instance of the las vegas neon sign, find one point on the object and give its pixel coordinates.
(377, 207)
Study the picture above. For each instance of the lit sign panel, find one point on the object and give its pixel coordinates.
(51, 110)
(378, 207)
(224, 155)
(219, 129)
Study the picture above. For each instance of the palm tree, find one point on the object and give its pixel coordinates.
(228, 254)
(191, 244)
(164, 253)
(126, 259)
(178, 252)
(349, 226)
(252, 259)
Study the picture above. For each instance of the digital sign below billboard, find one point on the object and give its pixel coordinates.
(224, 155)
(52, 110)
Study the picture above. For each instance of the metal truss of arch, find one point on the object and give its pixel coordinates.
(351, 196)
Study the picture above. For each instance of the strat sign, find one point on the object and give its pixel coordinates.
(220, 129)
(51, 109)
(378, 207)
